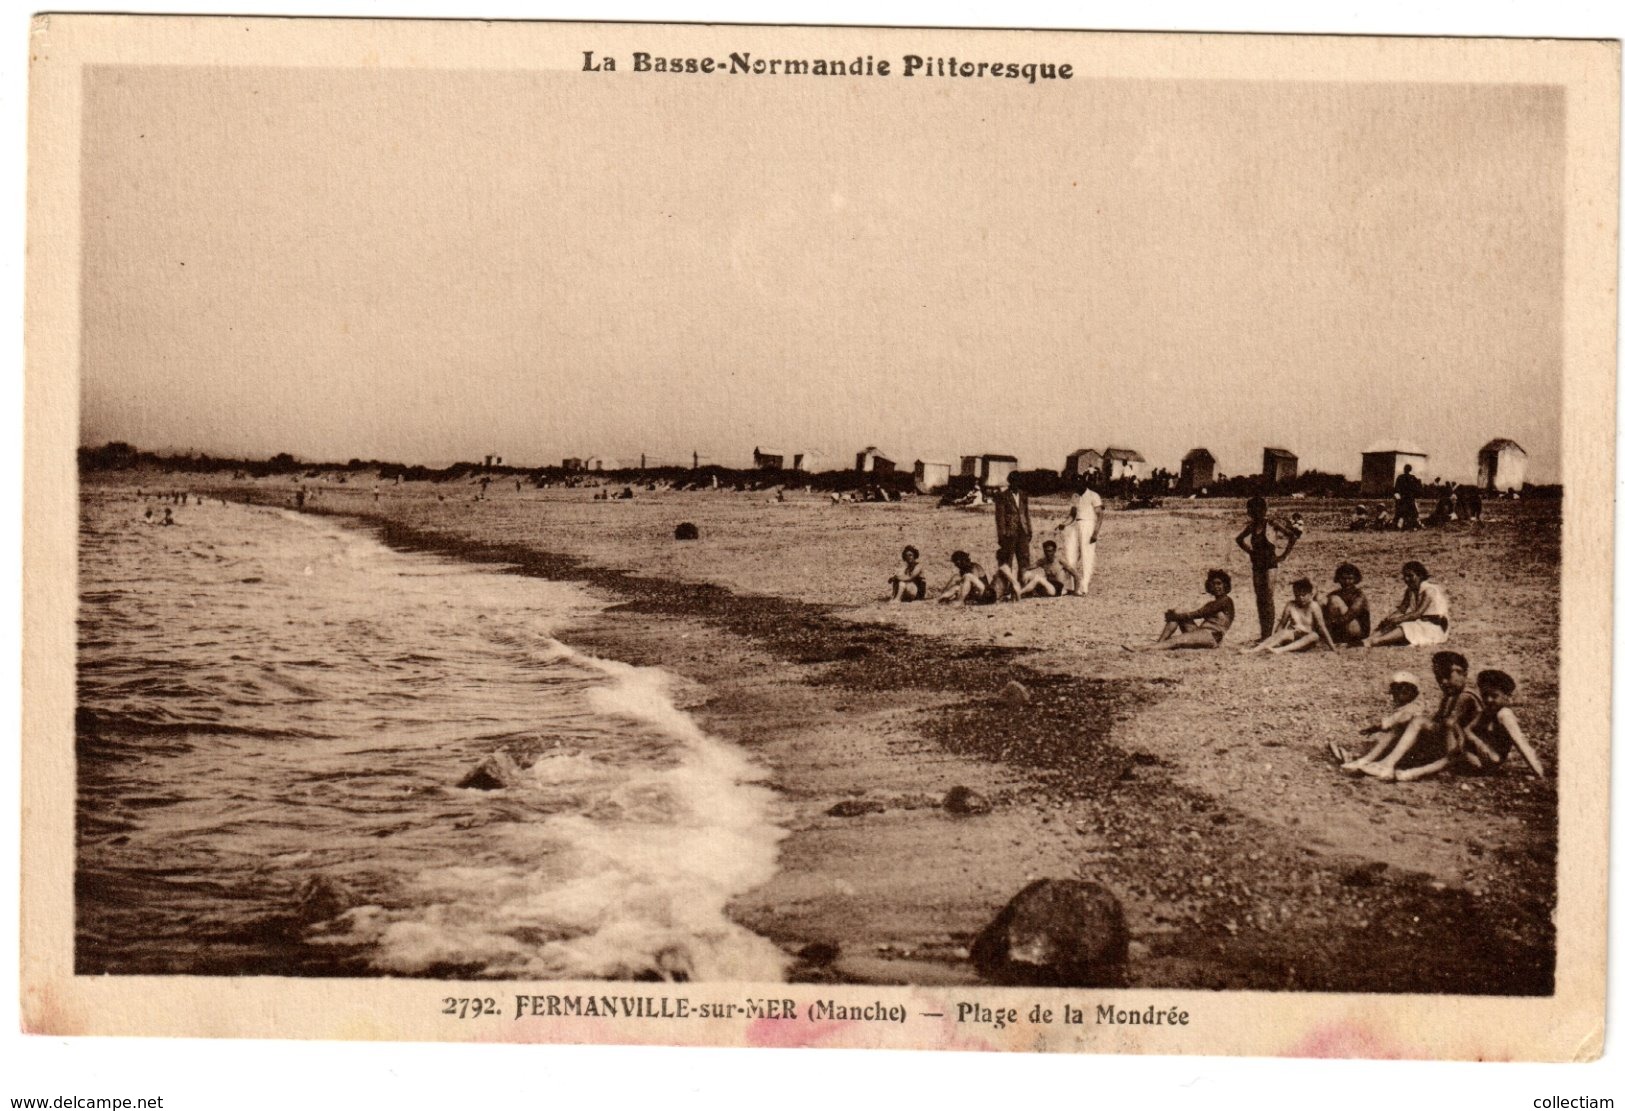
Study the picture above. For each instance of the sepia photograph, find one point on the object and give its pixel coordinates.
(782, 536)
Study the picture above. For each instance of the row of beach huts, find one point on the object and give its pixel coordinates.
(1502, 465)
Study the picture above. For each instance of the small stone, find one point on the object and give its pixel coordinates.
(963, 800)
(852, 808)
(1014, 694)
(819, 952)
(496, 772)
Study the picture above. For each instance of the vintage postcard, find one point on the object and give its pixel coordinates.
(789, 536)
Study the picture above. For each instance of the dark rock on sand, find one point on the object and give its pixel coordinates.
(1365, 875)
(688, 530)
(819, 952)
(963, 800)
(496, 772)
(851, 808)
(319, 899)
(1055, 933)
(1014, 694)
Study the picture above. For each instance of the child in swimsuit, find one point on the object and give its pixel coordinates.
(908, 584)
(1432, 744)
(1405, 693)
(1347, 613)
(1496, 732)
(1203, 627)
(1302, 624)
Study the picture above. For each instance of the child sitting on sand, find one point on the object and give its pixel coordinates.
(1405, 691)
(908, 584)
(1302, 624)
(1431, 744)
(1203, 627)
(970, 585)
(1496, 732)
(1348, 614)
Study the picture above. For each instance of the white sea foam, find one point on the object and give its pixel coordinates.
(320, 694)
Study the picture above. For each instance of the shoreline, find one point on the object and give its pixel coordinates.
(842, 709)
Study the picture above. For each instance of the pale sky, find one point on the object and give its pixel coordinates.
(432, 266)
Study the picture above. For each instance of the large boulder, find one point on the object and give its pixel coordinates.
(1055, 933)
(688, 530)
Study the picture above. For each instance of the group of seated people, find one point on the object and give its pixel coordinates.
(972, 585)
(1338, 618)
(1472, 730)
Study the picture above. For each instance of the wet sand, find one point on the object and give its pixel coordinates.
(1196, 785)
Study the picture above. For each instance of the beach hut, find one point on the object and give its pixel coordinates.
(1082, 461)
(573, 463)
(931, 475)
(1280, 465)
(1122, 462)
(989, 470)
(493, 461)
(600, 463)
(871, 461)
(806, 461)
(1501, 465)
(770, 459)
(1383, 462)
(1196, 469)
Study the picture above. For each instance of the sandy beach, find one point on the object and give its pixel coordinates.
(1197, 786)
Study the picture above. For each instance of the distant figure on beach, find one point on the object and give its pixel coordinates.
(1423, 615)
(1348, 614)
(1302, 624)
(149, 514)
(1079, 533)
(1360, 521)
(1260, 538)
(169, 516)
(1431, 744)
(908, 583)
(1495, 733)
(1444, 509)
(299, 498)
(1012, 522)
(970, 584)
(1407, 488)
(1202, 627)
(1405, 696)
(1469, 504)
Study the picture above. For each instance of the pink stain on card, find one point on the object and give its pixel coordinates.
(1350, 1039)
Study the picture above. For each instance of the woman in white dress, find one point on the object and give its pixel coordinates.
(1423, 616)
(1078, 535)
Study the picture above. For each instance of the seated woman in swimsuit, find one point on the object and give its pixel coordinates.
(1203, 627)
(1423, 616)
(1348, 614)
(908, 584)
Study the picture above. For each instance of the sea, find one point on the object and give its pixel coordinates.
(274, 714)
